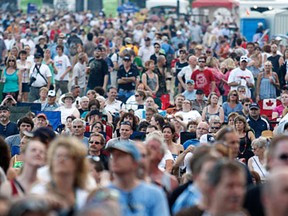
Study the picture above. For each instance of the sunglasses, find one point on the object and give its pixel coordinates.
(137, 95)
(208, 52)
(10, 60)
(246, 104)
(77, 126)
(126, 123)
(283, 157)
(157, 47)
(201, 61)
(235, 95)
(215, 128)
(95, 142)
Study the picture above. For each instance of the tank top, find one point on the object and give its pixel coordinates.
(152, 82)
(267, 89)
(11, 82)
(211, 114)
(245, 148)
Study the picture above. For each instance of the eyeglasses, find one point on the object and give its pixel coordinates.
(77, 126)
(94, 158)
(283, 157)
(95, 142)
(201, 61)
(126, 123)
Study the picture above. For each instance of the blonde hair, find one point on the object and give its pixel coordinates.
(78, 152)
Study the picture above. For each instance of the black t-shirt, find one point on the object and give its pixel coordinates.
(133, 72)
(179, 66)
(98, 70)
(8, 130)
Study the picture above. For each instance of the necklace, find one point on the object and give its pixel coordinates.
(242, 152)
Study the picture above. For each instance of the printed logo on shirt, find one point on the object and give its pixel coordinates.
(201, 80)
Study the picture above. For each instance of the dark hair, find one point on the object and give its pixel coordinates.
(26, 120)
(22, 52)
(245, 100)
(71, 117)
(239, 41)
(92, 103)
(215, 175)
(98, 122)
(152, 126)
(99, 90)
(250, 43)
(134, 120)
(59, 46)
(4, 155)
(221, 134)
(143, 124)
(159, 119)
(90, 36)
(192, 123)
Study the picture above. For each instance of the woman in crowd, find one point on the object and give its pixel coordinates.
(278, 111)
(68, 167)
(33, 157)
(136, 101)
(42, 45)
(91, 94)
(232, 104)
(267, 83)
(213, 108)
(150, 78)
(168, 131)
(213, 65)
(12, 79)
(257, 162)
(246, 137)
(24, 67)
(231, 118)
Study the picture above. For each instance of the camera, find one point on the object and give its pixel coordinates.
(32, 80)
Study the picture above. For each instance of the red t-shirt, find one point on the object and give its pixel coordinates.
(203, 80)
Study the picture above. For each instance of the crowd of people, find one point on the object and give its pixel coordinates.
(132, 116)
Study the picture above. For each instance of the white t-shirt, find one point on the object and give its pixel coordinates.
(65, 112)
(168, 156)
(61, 63)
(145, 53)
(79, 71)
(187, 72)
(40, 81)
(236, 76)
(192, 115)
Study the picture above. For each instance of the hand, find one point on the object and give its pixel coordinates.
(19, 98)
(257, 98)
(189, 149)
(62, 77)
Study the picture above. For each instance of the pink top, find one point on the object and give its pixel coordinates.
(279, 109)
(226, 86)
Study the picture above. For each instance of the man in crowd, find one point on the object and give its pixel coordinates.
(63, 65)
(135, 196)
(126, 78)
(187, 71)
(51, 104)
(112, 105)
(125, 132)
(13, 141)
(203, 77)
(241, 76)
(178, 104)
(98, 74)
(179, 66)
(7, 128)
(40, 76)
(199, 103)
(78, 130)
(146, 51)
(190, 92)
(255, 121)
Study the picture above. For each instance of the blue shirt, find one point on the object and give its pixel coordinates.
(190, 197)
(227, 110)
(145, 200)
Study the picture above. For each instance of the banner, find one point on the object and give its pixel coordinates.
(110, 7)
(24, 4)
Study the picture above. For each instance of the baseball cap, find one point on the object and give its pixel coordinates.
(128, 40)
(98, 48)
(126, 57)
(42, 115)
(127, 147)
(244, 58)
(254, 106)
(190, 81)
(37, 55)
(199, 91)
(4, 107)
(51, 93)
(178, 32)
(95, 112)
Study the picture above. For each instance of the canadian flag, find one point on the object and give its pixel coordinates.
(269, 104)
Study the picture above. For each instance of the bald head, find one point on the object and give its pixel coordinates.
(202, 128)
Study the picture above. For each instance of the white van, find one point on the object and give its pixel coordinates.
(169, 4)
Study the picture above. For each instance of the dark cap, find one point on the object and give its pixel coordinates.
(44, 134)
(147, 39)
(4, 107)
(95, 112)
(100, 48)
(199, 91)
(37, 55)
(127, 57)
(254, 106)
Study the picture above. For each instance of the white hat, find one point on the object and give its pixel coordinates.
(178, 32)
(244, 58)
